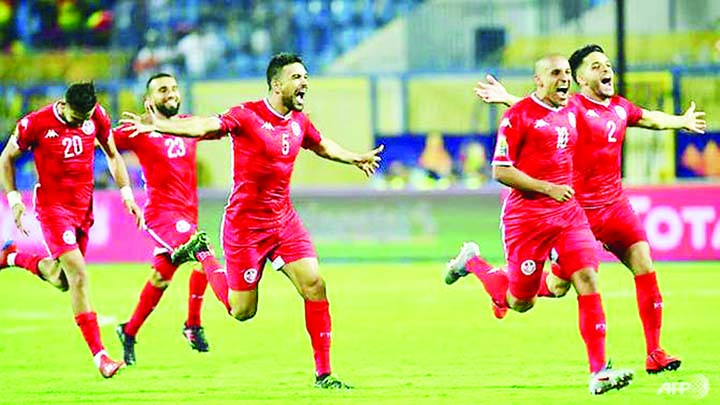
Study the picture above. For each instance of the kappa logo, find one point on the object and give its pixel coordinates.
(295, 127)
(592, 114)
(505, 123)
(154, 134)
(250, 275)
(540, 124)
(69, 237)
(267, 126)
(88, 127)
(528, 267)
(51, 134)
(620, 112)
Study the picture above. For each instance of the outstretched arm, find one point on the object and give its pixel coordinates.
(118, 170)
(368, 162)
(691, 120)
(493, 92)
(519, 180)
(7, 180)
(190, 127)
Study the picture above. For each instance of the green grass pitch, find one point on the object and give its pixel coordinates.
(400, 335)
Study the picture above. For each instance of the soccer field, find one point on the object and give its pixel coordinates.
(400, 335)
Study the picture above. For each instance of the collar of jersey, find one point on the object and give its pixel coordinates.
(596, 102)
(275, 112)
(57, 113)
(544, 104)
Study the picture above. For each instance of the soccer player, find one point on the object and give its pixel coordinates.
(534, 156)
(603, 118)
(62, 138)
(171, 214)
(260, 222)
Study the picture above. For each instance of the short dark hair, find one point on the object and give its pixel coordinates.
(81, 97)
(576, 59)
(278, 62)
(156, 76)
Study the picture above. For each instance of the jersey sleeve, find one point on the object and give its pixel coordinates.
(231, 121)
(121, 138)
(634, 112)
(508, 140)
(26, 132)
(312, 136)
(102, 121)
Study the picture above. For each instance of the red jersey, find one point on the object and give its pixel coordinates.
(598, 176)
(63, 155)
(538, 140)
(169, 168)
(265, 145)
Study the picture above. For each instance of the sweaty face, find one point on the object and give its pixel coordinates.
(552, 77)
(596, 75)
(74, 118)
(164, 94)
(293, 86)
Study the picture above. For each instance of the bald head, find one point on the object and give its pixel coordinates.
(552, 79)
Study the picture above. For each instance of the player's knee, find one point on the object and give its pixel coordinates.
(243, 314)
(313, 289)
(159, 281)
(519, 305)
(559, 289)
(585, 281)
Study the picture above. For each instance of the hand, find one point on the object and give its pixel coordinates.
(492, 92)
(693, 120)
(18, 211)
(370, 161)
(133, 209)
(560, 192)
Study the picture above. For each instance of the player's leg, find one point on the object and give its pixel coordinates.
(46, 268)
(193, 330)
(620, 230)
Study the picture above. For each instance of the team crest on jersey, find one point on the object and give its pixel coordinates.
(528, 267)
(69, 237)
(295, 128)
(592, 114)
(540, 124)
(182, 226)
(24, 122)
(88, 127)
(51, 134)
(250, 275)
(571, 119)
(620, 112)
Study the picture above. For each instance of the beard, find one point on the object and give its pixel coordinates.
(167, 111)
(289, 103)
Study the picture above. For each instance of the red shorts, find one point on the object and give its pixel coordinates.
(528, 243)
(64, 232)
(170, 231)
(616, 226)
(247, 250)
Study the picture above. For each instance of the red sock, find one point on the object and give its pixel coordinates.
(494, 280)
(544, 290)
(216, 276)
(318, 324)
(592, 329)
(650, 304)
(198, 284)
(87, 322)
(29, 262)
(149, 297)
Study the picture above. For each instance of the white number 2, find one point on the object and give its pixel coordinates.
(611, 127)
(285, 144)
(73, 146)
(175, 147)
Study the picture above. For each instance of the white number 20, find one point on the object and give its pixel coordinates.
(73, 146)
(611, 127)
(285, 144)
(175, 147)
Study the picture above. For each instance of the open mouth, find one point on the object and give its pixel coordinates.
(606, 80)
(563, 90)
(300, 96)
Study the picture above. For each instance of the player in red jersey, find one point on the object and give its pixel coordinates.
(62, 139)
(171, 214)
(260, 222)
(603, 118)
(534, 156)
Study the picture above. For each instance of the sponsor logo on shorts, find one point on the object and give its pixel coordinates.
(528, 267)
(69, 237)
(88, 127)
(250, 275)
(182, 226)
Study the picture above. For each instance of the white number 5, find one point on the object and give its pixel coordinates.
(285, 144)
(611, 127)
